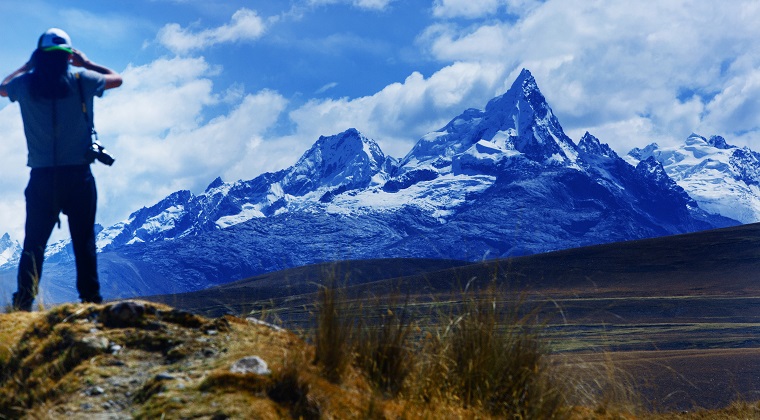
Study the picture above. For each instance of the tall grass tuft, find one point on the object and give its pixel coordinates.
(332, 337)
(382, 346)
(601, 384)
(494, 358)
(482, 349)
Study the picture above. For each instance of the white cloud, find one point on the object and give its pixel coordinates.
(738, 105)
(155, 126)
(401, 113)
(245, 25)
(326, 87)
(464, 8)
(604, 64)
(15, 173)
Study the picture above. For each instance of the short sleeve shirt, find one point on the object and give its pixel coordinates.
(58, 132)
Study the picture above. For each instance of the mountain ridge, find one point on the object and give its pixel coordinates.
(722, 178)
(498, 182)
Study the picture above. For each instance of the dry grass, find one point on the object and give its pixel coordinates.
(481, 356)
(492, 357)
(332, 338)
(737, 410)
(383, 347)
(481, 360)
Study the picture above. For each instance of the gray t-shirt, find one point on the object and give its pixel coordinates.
(67, 143)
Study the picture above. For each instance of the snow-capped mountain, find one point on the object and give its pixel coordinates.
(723, 179)
(10, 250)
(496, 182)
(334, 165)
(519, 122)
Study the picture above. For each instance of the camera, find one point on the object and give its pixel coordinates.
(97, 151)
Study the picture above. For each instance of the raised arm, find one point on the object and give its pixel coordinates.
(21, 70)
(113, 79)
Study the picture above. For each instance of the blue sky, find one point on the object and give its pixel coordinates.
(236, 88)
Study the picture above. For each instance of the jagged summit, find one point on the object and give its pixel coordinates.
(348, 160)
(591, 145)
(10, 250)
(517, 122)
(216, 183)
(720, 143)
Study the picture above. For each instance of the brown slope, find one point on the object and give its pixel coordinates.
(679, 314)
(716, 263)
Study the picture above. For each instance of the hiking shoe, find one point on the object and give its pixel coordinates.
(97, 300)
(21, 306)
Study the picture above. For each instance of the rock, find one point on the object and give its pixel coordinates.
(94, 343)
(123, 314)
(257, 321)
(251, 364)
(95, 390)
(164, 377)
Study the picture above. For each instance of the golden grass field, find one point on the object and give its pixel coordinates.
(662, 328)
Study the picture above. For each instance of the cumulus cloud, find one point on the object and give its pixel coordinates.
(603, 65)
(15, 173)
(155, 127)
(401, 113)
(246, 25)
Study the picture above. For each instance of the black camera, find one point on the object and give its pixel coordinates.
(97, 151)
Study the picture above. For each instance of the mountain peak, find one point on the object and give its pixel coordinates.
(591, 145)
(517, 122)
(346, 160)
(641, 154)
(215, 184)
(524, 86)
(537, 132)
(719, 143)
(527, 81)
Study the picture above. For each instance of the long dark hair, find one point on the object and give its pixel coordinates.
(49, 79)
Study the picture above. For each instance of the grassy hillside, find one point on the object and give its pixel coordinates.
(151, 361)
(144, 360)
(681, 308)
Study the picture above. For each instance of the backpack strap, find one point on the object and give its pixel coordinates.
(88, 120)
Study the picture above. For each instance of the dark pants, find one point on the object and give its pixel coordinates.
(67, 189)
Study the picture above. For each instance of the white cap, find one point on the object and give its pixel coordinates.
(54, 39)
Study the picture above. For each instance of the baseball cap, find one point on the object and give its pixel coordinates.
(54, 39)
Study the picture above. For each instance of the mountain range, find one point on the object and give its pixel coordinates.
(499, 182)
(724, 179)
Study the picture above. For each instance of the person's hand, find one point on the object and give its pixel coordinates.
(78, 59)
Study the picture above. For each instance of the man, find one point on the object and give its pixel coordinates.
(56, 108)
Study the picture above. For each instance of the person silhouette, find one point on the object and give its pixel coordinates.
(55, 89)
